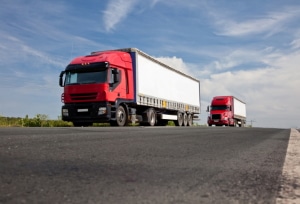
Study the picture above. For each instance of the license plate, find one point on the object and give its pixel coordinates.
(216, 121)
(82, 110)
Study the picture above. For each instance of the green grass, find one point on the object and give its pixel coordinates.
(41, 120)
(37, 121)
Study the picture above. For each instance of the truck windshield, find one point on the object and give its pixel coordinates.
(85, 75)
(219, 107)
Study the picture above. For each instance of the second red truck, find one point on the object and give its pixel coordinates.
(226, 110)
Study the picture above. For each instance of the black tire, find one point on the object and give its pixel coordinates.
(190, 120)
(151, 117)
(179, 120)
(185, 119)
(121, 116)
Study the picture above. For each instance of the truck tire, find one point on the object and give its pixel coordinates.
(190, 120)
(179, 120)
(121, 116)
(151, 117)
(185, 119)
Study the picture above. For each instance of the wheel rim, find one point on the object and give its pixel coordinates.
(151, 117)
(121, 116)
(190, 120)
(185, 119)
(180, 119)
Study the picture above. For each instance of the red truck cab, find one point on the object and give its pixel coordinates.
(94, 85)
(221, 111)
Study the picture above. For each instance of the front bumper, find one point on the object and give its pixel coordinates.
(87, 112)
(218, 122)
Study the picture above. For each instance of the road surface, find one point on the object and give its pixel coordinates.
(142, 165)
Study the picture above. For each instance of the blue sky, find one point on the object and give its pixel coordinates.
(249, 49)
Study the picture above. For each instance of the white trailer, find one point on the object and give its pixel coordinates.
(175, 94)
(239, 109)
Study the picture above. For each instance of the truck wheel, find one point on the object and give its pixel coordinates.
(179, 120)
(185, 119)
(121, 116)
(189, 120)
(151, 116)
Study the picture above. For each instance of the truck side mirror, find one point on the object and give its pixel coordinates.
(207, 109)
(61, 78)
(115, 76)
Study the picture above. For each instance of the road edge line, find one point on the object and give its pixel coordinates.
(290, 181)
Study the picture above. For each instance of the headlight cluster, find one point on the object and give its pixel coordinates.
(65, 112)
(102, 110)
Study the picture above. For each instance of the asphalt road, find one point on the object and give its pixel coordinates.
(141, 165)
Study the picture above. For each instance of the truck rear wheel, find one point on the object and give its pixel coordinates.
(189, 120)
(151, 115)
(185, 119)
(179, 120)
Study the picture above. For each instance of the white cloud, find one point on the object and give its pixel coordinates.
(174, 62)
(295, 44)
(15, 49)
(240, 57)
(116, 11)
(269, 23)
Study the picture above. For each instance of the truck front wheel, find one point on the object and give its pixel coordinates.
(121, 116)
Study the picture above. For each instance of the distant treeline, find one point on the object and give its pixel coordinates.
(40, 120)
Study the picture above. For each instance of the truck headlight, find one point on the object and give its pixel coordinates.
(65, 112)
(102, 110)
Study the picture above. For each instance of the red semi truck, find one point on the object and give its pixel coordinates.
(226, 110)
(127, 86)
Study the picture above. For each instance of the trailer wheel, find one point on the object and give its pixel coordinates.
(121, 116)
(185, 119)
(179, 120)
(189, 120)
(151, 116)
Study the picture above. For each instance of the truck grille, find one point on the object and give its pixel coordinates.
(216, 116)
(84, 96)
